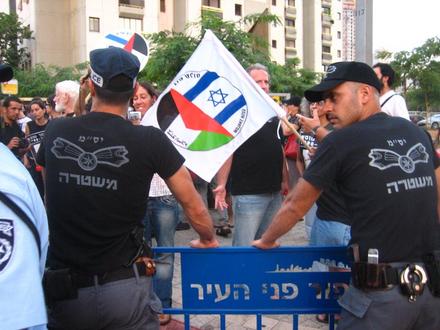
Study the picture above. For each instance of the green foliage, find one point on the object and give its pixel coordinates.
(168, 53)
(419, 73)
(289, 78)
(40, 80)
(12, 35)
(170, 50)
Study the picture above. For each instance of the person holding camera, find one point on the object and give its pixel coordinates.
(11, 134)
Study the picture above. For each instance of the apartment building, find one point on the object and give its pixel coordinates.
(65, 31)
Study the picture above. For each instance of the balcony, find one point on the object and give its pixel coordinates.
(290, 12)
(326, 39)
(216, 11)
(132, 3)
(326, 57)
(132, 8)
(290, 53)
(290, 32)
(326, 3)
(327, 20)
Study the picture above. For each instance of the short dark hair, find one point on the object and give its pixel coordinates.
(39, 102)
(7, 101)
(294, 100)
(115, 98)
(50, 101)
(387, 71)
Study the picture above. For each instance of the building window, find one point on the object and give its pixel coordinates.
(130, 24)
(291, 3)
(274, 2)
(290, 22)
(211, 3)
(274, 44)
(339, 34)
(237, 10)
(162, 6)
(326, 49)
(339, 16)
(93, 24)
(339, 53)
(290, 43)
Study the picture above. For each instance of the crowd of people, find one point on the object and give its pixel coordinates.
(112, 186)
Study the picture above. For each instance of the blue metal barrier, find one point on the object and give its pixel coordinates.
(236, 280)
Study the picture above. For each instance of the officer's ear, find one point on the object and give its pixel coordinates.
(365, 93)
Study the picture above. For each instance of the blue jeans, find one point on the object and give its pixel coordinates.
(309, 218)
(329, 233)
(160, 221)
(252, 216)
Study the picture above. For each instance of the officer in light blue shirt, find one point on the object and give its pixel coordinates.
(21, 265)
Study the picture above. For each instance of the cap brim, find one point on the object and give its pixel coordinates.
(6, 72)
(316, 93)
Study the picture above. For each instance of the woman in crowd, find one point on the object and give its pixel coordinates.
(34, 131)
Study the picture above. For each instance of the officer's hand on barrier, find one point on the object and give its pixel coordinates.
(261, 244)
(204, 244)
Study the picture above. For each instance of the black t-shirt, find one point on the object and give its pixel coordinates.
(257, 164)
(36, 134)
(98, 172)
(330, 205)
(8, 131)
(384, 168)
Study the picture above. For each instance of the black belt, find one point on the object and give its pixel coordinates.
(82, 280)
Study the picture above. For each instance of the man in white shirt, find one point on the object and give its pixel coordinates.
(391, 103)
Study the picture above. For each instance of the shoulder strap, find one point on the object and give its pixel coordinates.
(387, 100)
(23, 216)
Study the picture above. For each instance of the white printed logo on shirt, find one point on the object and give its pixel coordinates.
(383, 158)
(113, 156)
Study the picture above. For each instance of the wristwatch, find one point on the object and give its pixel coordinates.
(315, 129)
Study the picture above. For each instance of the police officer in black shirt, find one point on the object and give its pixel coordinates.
(98, 172)
(387, 172)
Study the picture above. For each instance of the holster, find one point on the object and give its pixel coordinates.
(59, 285)
(432, 266)
(367, 276)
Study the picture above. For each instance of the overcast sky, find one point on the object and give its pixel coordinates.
(404, 24)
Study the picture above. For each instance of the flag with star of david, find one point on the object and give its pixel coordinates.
(210, 108)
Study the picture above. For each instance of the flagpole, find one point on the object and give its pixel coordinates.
(292, 128)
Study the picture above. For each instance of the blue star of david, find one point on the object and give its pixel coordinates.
(217, 97)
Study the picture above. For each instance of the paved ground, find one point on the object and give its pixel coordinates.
(296, 236)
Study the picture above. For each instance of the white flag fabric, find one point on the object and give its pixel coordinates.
(210, 108)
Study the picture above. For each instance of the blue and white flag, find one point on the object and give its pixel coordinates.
(210, 108)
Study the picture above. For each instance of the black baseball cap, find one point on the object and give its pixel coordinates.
(294, 100)
(6, 72)
(108, 64)
(340, 72)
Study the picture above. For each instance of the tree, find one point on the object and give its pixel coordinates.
(419, 74)
(12, 35)
(170, 50)
(40, 80)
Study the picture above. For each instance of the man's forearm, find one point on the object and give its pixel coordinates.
(294, 207)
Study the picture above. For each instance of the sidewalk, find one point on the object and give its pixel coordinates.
(296, 236)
